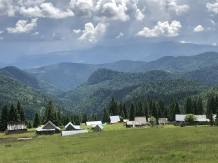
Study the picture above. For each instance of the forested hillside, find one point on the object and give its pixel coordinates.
(71, 75)
(11, 91)
(29, 80)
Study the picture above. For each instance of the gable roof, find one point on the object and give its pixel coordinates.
(115, 119)
(52, 124)
(75, 127)
(100, 126)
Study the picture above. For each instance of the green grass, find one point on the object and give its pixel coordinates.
(117, 144)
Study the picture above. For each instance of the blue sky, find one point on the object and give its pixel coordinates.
(40, 26)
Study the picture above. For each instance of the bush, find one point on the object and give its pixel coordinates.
(190, 118)
(152, 121)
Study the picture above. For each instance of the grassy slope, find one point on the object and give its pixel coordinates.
(165, 145)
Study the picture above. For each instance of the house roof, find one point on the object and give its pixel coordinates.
(52, 124)
(115, 119)
(100, 126)
(93, 123)
(74, 126)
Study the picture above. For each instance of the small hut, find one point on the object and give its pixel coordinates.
(162, 121)
(98, 128)
(70, 127)
(48, 129)
(142, 120)
(16, 127)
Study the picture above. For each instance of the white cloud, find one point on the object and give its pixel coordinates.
(35, 33)
(23, 27)
(29, 2)
(120, 35)
(107, 10)
(45, 10)
(77, 31)
(172, 5)
(93, 34)
(213, 7)
(6, 7)
(1, 38)
(214, 44)
(199, 28)
(162, 29)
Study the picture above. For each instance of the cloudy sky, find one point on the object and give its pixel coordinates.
(42, 26)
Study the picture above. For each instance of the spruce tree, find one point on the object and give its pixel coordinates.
(29, 124)
(84, 118)
(36, 121)
(189, 106)
(105, 118)
(13, 114)
(77, 119)
(49, 113)
(162, 109)
(132, 112)
(21, 112)
(216, 120)
(140, 111)
(146, 109)
(200, 106)
(176, 110)
(195, 107)
(171, 112)
(4, 118)
(125, 111)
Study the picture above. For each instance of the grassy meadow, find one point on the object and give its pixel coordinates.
(116, 144)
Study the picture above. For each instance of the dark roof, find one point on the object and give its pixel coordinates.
(52, 124)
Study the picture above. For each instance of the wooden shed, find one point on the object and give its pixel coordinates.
(70, 127)
(98, 128)
(48, 128)
(162, 121)
(114, 119)
(16, 127)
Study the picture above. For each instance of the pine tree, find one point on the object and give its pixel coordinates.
(77, 119)
(29, 124)
(140, 111)
(84, 118)
(49, 113)
(171, 112)
(36, 121)
(162, 109)
(105, 117)
(176, 110)
(21, 112)
(132, 112)
(120, 107)
(125, 111)
(216, 120)
(195, 107)
(146, 109)
(93, 118)
(211, 118)
(13, 114)
(200, 106)
(113, 108)
(59, 116)
(154, 112)
(4, 118)
(189, 106)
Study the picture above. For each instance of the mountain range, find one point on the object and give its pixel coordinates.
(107, 54)
(79, 87)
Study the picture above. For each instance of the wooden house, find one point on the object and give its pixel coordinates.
(48, 128)
(70, 127)
(130, 124)
(114, 119)
(16, 127)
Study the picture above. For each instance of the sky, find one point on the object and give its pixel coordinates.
(30, 27)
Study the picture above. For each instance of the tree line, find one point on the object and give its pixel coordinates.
(157, 109)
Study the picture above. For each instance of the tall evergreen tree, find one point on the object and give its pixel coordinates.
(146, 109)
(200, 106)
(36, 121)
(171, 111)
(49, 113)
(189, 106)
(4, 118)
(154, 111)
(13, 114)
(125, 111)
(162, 109)
(105, 117)
(132, 112)
(195, 107)
(93, 118)
(21, 112)
(84, 118)
(120, 107)
(77, 119)
(140, 111)
(176, 110)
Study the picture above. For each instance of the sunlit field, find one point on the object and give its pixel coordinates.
(116, 144)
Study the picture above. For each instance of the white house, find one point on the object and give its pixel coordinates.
(93, 123)
(114, 119)
(70, 126)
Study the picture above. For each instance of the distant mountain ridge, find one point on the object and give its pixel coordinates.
(108, 54)
(72, 75)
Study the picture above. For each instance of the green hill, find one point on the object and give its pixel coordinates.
(11, 91)
(29, 80)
